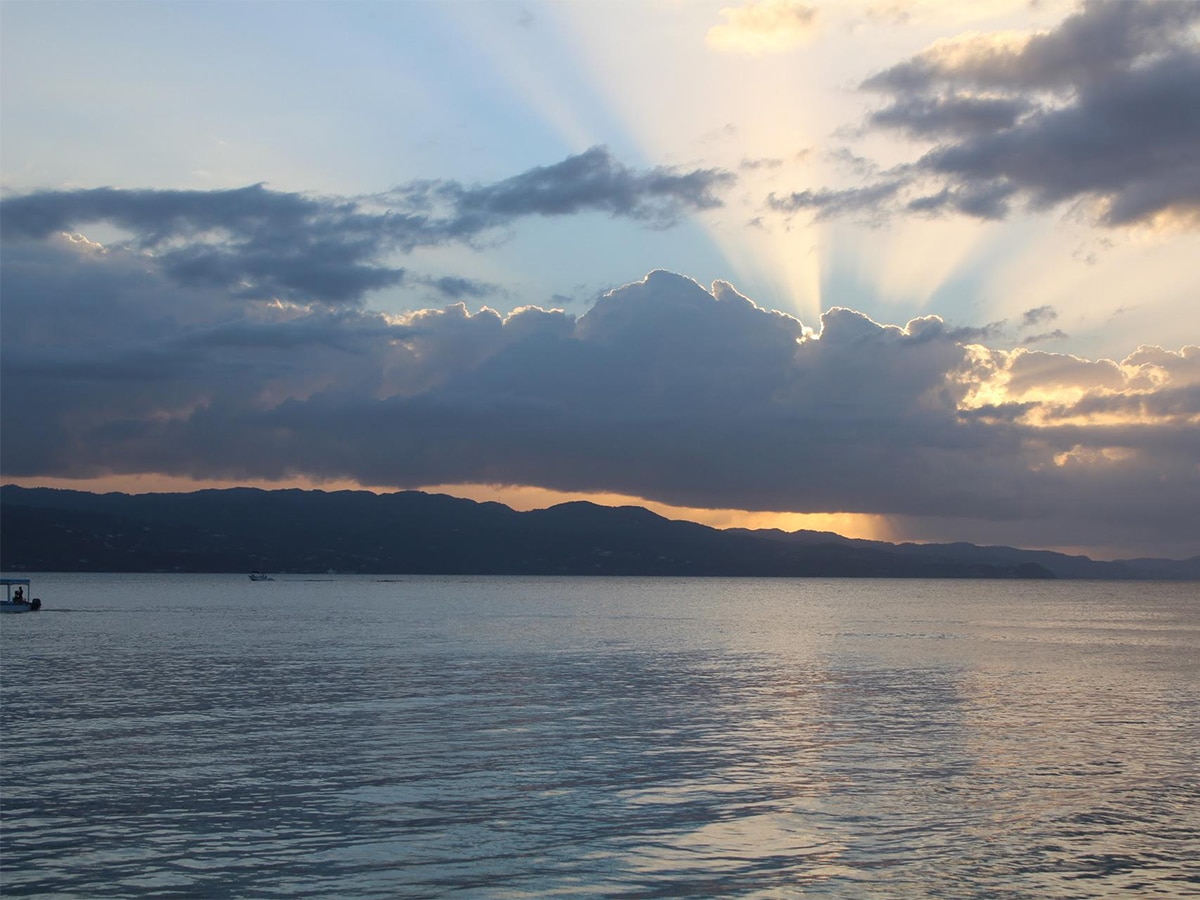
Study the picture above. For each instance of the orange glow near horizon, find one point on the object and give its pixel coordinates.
(851, 525)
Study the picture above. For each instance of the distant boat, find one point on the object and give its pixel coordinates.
(18, 600)
(259, 576)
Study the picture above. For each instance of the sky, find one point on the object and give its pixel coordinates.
(903, 269)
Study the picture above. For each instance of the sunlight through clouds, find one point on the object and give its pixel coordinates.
(518, 57)
(741, 128)
(886, 260)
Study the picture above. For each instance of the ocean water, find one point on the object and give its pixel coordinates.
(358, 737)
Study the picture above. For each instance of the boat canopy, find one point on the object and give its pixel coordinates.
(9, 583)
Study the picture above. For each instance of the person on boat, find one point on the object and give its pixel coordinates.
(19, 596)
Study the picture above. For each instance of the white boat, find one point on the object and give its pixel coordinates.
(16, 596)
(259, 576)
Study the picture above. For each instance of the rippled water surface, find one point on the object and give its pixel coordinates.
(205, 736)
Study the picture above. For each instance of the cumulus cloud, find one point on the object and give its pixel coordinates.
(763, 26)
(1050, 373)
(1102, 111)
(258, 243)
(663, 389)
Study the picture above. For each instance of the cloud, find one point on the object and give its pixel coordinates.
(1038, 315)
(663, 389)
(456, 287)
(763, 26)
(1102, 111)
(765, 162)
(830, 203)
(1035, 317)
(1040, 372)
(593, 181)
(1056, 335)
(933, 117)
(253, 241)
(1105, 38)
(257, 243)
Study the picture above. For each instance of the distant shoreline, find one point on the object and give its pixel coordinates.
(242, 530)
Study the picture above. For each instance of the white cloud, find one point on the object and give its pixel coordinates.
(764, 26)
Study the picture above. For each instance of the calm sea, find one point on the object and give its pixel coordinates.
(354, 737)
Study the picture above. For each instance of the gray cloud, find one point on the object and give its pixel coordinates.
(1056, 335)
(252, 242)
(970, 334)
(1104, 109)
(762, 162)
(258, 243)
(831, 203)
(157, 216)
(663, 389)
(455, 287)
(1103, 39)
(1038, 314)
(593, 181)
(934, 116)
(1130, 142)
(982, 200)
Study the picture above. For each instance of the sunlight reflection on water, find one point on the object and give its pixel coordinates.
(204, 736)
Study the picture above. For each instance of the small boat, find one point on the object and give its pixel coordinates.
(18, 600)
(259, 576)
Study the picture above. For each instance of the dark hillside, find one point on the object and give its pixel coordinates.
(245, 529)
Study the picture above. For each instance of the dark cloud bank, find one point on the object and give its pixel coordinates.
(1103, 111)
(258, 243)
(124, 360)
